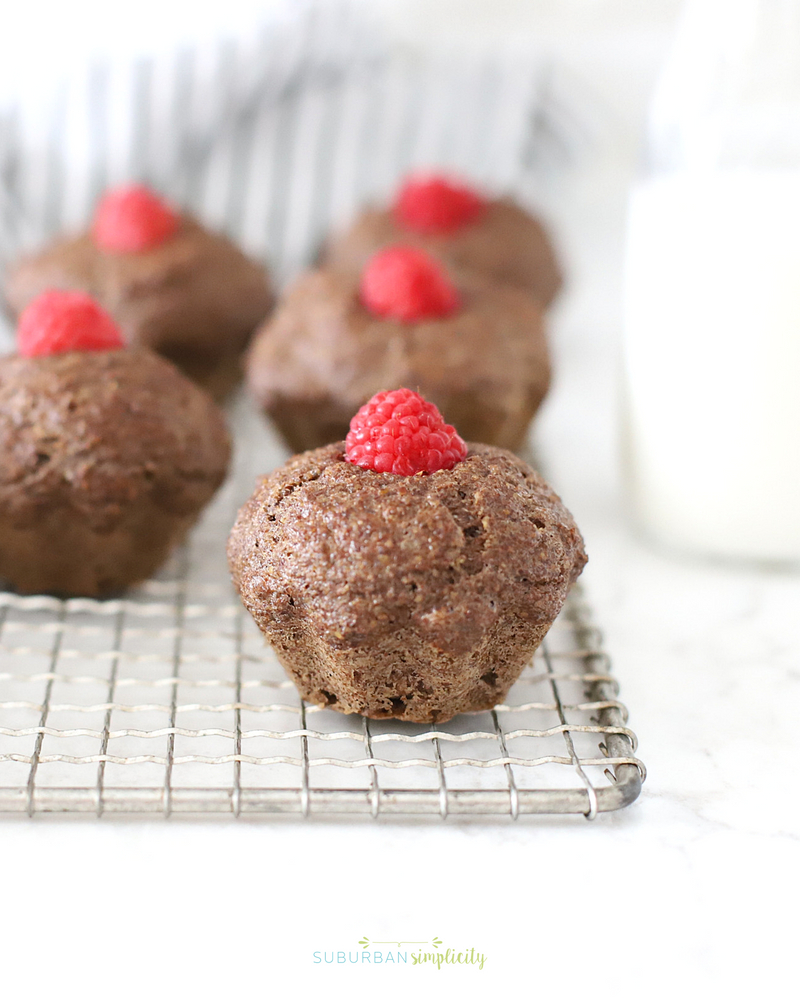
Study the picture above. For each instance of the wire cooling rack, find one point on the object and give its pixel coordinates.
(167, 701)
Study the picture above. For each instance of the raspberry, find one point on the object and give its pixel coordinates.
(401, 432)
(130, 219)
(407, 284)
(436, 205)
(57, 322)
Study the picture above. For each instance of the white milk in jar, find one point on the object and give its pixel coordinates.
(712, 360)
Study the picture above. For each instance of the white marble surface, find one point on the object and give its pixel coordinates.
(689, 890)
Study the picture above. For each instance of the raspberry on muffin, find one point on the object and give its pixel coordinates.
(434, 204)
(66, 321)
(107, 454)
(401, 432)
(459, 226)
(170, 284)
(132, 219)
(475, 348)
(412, 596)
(407, 284)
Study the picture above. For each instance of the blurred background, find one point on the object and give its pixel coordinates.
(276, 120)
(666, 131)
(592, 65)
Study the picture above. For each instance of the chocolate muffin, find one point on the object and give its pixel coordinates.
(404, 596)
(106, 459)
(325, 352)
(182, 291)
(495, 237)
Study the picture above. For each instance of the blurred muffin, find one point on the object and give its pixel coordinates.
(170, 284)
(459, 226)
(107, 454)
(475, 348)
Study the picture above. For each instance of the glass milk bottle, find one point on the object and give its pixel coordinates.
(712, 289)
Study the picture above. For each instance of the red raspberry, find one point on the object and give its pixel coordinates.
(436, 205)
(57, 322)
(131, 219)
(400, 432)
(407, 284)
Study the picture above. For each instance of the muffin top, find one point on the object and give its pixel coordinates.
(323, 339)
(97, 431)
(504, 242)
(355, 555)
(171, 295)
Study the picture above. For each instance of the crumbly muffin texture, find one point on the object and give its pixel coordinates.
(195, 298)
(106, 459)
(412, 597)
(324, 354)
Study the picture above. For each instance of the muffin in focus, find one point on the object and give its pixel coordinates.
(413, 594)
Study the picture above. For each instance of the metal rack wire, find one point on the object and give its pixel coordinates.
(166, 701)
